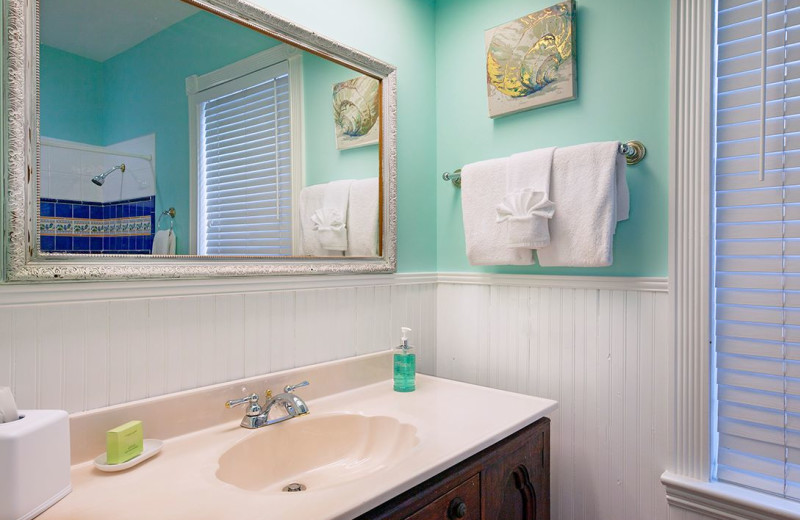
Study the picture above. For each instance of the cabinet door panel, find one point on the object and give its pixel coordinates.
(518, 495)
(517, 484)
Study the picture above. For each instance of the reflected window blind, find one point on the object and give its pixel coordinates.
(246, 170)
(757, 247)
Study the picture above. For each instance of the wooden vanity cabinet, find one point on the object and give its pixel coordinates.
(509, 480)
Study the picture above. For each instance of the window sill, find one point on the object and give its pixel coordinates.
(725, 501)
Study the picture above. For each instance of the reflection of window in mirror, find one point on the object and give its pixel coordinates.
(246, 140)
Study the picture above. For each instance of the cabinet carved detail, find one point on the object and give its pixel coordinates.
(507, 481)
(519, 496)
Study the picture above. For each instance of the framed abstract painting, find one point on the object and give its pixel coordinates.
(530, 61)
(356, 110)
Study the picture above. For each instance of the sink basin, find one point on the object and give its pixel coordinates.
(316, 451)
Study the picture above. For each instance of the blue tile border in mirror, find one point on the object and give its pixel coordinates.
(121, 227)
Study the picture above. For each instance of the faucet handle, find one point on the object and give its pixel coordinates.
(292, 388)
(252, 410)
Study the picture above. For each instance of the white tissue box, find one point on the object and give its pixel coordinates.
(34, 463)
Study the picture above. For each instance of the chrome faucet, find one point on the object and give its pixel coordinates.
(256, 416)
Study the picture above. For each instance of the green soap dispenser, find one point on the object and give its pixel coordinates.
(405, 365)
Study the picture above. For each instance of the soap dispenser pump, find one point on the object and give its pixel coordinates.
(405, 365)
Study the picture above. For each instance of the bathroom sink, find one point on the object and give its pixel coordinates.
(316, 451)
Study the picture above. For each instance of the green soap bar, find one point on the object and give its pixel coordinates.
(124, 442)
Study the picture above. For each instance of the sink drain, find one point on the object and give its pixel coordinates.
(294, 487)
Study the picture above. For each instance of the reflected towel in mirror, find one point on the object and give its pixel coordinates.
(164, 242)
(362, 218)
(331, 224)
(311, 199)
(330, 227)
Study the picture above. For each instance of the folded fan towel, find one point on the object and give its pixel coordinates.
(330, 222)
(590, 190)
(526, 207)
(311, 200)
(526, 213)
(164, 242)
(483, 186)
(362, 218)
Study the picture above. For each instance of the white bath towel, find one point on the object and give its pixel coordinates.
(311, 199)
(330, 221)
(589, 189)
(526, 207)
(362, 218)
(483, 186)
(164, 242)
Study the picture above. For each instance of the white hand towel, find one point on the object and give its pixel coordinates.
(164, 242)
(526, 214)
(526, 206)
(330, 222)
(362, 218)
(483, 186)
(590, 190)
(8, 407)
(311, 200)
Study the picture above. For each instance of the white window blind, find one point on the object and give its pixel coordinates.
(245, 166)
(757, 247)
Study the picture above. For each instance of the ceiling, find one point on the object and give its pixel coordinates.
(101, 29)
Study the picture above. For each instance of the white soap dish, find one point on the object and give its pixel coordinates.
(150, 448)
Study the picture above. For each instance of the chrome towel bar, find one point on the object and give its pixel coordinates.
(634, 152)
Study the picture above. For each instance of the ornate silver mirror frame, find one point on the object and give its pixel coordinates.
(24, 262)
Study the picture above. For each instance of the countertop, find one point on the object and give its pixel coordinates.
(453, 420)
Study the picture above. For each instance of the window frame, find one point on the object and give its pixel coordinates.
(687, 478)
(197, 91)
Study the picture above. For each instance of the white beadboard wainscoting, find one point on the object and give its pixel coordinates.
(599, 346)
(78, 346)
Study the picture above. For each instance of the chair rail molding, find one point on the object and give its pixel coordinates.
(691, 100)
(18, 293)
(622, 283)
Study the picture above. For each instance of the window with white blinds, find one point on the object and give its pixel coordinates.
(245, 166)
(757, 246)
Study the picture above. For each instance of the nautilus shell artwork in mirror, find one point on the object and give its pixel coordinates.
(356, 109)
(530, 61)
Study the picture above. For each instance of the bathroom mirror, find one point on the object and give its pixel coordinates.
(172, 138)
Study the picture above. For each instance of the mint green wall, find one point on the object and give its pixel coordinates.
(145, 93)
(400, 32)
(79, 82)
(623, 80)
(323, 162)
